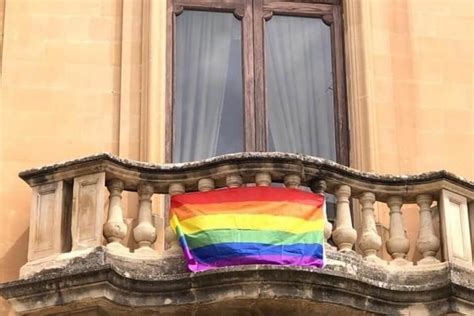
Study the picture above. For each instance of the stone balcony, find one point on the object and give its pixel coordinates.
(86, 258)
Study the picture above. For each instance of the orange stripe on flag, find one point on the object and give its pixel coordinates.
(279, 208)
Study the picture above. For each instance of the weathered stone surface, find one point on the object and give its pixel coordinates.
(247, 165)
(49, 217)
(121, 284)
(87, 211)
(455, 228)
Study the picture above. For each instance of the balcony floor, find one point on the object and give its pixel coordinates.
(347, 285)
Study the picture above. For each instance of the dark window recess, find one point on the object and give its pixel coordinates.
(256, 75)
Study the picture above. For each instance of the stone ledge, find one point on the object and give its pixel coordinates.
(247, 165)
(236, 157)
(347, 281)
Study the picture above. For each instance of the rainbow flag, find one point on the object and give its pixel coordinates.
(249, 225)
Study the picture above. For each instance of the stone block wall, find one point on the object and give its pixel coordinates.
(76, 78)
(60, 92)
(410, 88)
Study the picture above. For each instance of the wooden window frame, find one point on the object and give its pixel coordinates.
(253, 15)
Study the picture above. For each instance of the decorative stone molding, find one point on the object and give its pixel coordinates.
(248, 163)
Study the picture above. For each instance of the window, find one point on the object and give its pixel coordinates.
(256, 75)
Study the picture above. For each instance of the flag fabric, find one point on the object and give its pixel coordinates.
(249, 225)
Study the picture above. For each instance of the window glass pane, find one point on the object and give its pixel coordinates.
(300, 108)
(208, 102)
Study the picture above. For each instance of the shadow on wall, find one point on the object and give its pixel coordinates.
(13, 258)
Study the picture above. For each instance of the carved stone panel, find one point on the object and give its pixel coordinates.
(455, 228)
(46, 222)
(88, 211)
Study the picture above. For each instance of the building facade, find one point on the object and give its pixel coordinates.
(89, 76)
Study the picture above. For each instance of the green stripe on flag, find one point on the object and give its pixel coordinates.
(216, 236)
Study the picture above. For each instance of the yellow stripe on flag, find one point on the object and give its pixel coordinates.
(247, 221)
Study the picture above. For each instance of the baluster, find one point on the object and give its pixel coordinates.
(292, 181)
(263, 179)
(233, 181)
(115, 228)
(319, 186)
(398, 245)
(370, 240)
(145, 232)
(176, 188)
(344, 235)
(427, 242)
(170, 236)
(206, 184)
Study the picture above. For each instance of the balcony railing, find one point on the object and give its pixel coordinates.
(77, 229)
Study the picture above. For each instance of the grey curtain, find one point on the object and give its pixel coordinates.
(201, 66)
(300, 107)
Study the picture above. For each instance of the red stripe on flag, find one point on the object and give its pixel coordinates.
(246, 194)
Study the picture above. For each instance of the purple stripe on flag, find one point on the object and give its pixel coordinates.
(265, 259)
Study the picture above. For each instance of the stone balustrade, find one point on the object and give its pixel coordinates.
(262, 169)
(68, 213)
